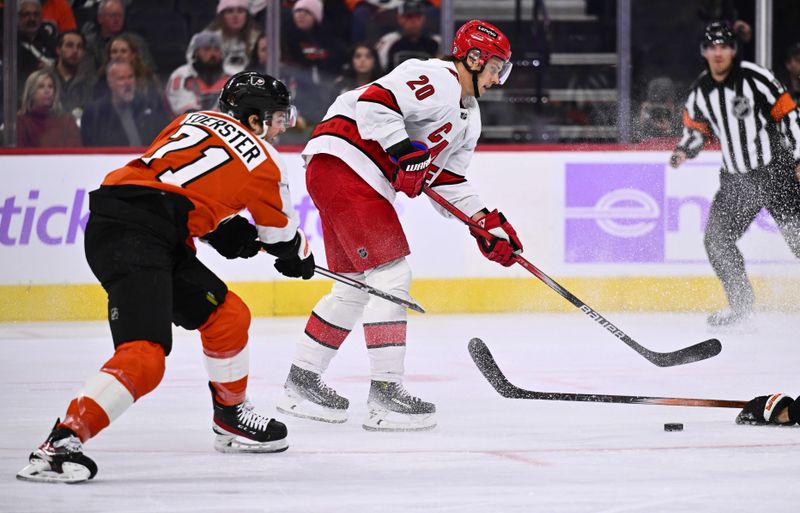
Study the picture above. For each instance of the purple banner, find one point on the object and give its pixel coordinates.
(614, 213)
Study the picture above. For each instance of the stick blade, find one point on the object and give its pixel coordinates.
(698, 352)
(488, 366)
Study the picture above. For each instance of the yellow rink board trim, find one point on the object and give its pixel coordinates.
(484, 295)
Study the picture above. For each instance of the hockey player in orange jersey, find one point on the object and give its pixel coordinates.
(196, 176)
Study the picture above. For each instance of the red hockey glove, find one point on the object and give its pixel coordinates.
(504, 245)
(765, 409)
(412, 161)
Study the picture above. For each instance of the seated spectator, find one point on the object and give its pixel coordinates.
(110, 23)
(41, 123)
(59, 13)
(237, 31)
(371, 16)
(660, 113)
(258, 57)
(313, 58)
(122, 118)
(75, 77)
(791, 79)
(361, 68)
(124, 47)
(412, 41)
(36, 40)
(196, 85)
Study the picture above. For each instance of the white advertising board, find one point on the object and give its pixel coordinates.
(578, 214)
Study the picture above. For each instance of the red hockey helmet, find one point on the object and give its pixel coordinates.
(483, 41)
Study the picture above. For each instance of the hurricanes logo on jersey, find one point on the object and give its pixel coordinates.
(741, 107)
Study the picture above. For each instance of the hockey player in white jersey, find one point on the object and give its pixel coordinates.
(420, 123)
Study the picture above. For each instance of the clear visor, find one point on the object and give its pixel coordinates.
(282, 118)
(496, 66)
(505, 71)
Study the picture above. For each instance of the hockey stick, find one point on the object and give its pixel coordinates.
(363, 286)
(366, 288)
(488, 366)
(697, 352)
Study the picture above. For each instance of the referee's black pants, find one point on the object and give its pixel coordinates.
(736, 204)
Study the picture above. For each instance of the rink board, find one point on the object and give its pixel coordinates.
(621, 230)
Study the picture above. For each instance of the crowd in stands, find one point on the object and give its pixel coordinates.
(114, 72)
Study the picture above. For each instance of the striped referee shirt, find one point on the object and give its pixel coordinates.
(751, 114)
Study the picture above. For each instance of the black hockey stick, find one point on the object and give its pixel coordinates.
(366, 288)
(363, 286)
(697, 352)
(488, 366)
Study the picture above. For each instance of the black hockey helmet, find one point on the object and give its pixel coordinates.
(249, 92)
(717, 32)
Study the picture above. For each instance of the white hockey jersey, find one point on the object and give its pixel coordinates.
(420, 100)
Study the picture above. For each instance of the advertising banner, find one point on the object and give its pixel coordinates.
(577, 213)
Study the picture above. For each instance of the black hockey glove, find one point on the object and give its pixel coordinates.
(293, 258)
(234, 238)
(765, 409)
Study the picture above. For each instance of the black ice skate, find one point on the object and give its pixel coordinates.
(729, 317)
(240, 429)
(307, 396)
(392, 408)
(59, 459)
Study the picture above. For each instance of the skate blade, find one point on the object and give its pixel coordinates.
(233, 444)
(393, 422)
(39, 471)
(304, 409)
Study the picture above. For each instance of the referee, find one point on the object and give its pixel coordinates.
(758, 127)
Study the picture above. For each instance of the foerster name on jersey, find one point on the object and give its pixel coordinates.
(242, 143)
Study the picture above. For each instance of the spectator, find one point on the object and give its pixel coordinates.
(59, 13)
(36, 40)
(258, 57)
(412, 40)
(237, 31)
(196, 85)
(791, 78)
(121, 118)
(314, 58)
(75, 78)
(41, 122)
(370, 16)
(110, 23)
(659, 114)
(124, 47)
(361, 68)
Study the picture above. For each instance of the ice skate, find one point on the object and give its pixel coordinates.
(59, 459)
(308, 397)
(240, 429)
(392, 408)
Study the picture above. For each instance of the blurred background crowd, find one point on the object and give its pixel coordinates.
(112, 73)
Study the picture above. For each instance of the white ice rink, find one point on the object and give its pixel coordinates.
(488, 453)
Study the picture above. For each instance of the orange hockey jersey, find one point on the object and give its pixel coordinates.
(220, 166)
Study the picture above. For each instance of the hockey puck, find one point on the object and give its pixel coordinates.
(673, 427)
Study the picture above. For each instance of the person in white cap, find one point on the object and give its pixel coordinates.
(197, 84)
(238, 32)
(313, 56)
